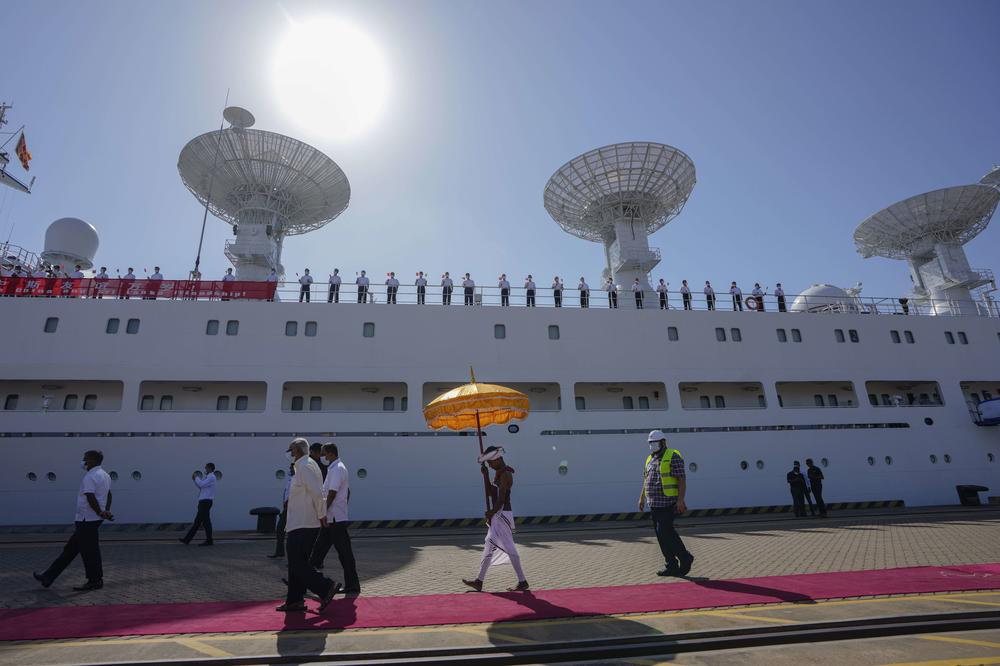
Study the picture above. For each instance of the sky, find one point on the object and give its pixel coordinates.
(802, 118)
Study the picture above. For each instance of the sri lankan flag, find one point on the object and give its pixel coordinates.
(22, 152)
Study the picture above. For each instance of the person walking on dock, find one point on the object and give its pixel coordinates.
(206, 497)
(664, 486)
(500, 547)
(815, 476)
(337, 493)
(93, 507)
(797, 486)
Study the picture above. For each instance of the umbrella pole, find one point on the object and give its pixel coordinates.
(486, 475)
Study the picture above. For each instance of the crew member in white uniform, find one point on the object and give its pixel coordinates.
(305, 283)
(273, 278)
(391, 288)
(206, 496)
(779, 293)
(661, 289)
(529, 290)
(337, 494)
(421, 283)
(686, 294)
(333, 295)
(447, 285)
(612, 289)
(584, 290)
(229, 277)
(500, 547)
(469, 289)
(152, 287)
(93, 507)
(557, 289)
(126, 283)
(737, 295)
(709, 295)
(504, 285)
(101, 282)
(362, 282)
(637, 293)
(758, 295)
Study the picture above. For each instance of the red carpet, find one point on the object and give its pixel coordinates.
(119, 620)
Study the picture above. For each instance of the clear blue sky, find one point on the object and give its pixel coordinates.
(802, 118)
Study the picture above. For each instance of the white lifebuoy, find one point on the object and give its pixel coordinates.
(752, 303)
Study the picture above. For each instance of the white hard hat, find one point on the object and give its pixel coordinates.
(656, 436)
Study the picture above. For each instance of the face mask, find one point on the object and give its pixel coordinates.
(654, 446)
(83, 464)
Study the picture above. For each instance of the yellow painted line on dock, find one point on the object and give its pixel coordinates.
(758, 618)
(204, 648)
(965, 661)
(962, 641)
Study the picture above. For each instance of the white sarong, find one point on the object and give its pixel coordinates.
(500, 548)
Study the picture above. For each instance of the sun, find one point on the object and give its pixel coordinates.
(330, 77)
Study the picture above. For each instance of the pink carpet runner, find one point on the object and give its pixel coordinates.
(226, 616)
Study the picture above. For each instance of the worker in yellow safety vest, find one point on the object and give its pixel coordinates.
(663, 488)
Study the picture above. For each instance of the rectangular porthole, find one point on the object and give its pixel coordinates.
(499, 331)
(909, 337)
(838, 334)
(166, 403)
(112, 326)
(146, 403)
(316, 403)
(672, 334)
(297, 402)
(132, 326)
(232, 327)
(796, 335)
(627, 402)
(720, 334)
(894, 336)
(961, 338)
(782, 335)
(368, 330)
(311, 328)
(222, 403)
(854, 335)
(736, 335)
(51, 324)
(242, 403)
(212, 327)
(581, 403)
(70, 401)
(553, 332)
(90, 402)
(950, 339)
(388, 403)
(291, 328)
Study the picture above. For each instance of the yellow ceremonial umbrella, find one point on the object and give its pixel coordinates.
(476, 405)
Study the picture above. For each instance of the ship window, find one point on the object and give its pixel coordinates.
(853, 333)
(818, 400)
(315, 403)
(885, 400)
(735, 334)
(720, 334)
(388, 403)
(499, 331)
(796, 335)
(291, 328)
(166, 403)
(11, 402)
(90, 402)
(838, 334)
(51, 324)
(212, 327)
(672, 334)
(947, 458)
(831, 400)
(553, 332)
(909, 337)
(242, 402)
(704, 402)
(297, 403)
(146, 403)
(69, 402)
(643, 402)
(895, 336)
(961, 338)
(990, 457)
(132, 326)
(951, 338)
(222, 403)
(933, 459)
(744, 465)
(627, 402)
(871, 460)
(368, 330)
(873, 400)
(782, 336)
(581, 403)
(311, 328)
(232, 327)
(925, 399)
(720, 401)
(112, 326)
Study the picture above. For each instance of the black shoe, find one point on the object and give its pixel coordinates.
(89, 585)
(42, 579)
(686, 562)
(275, 556)
(328, 597)
(207, 543)
(669, 570)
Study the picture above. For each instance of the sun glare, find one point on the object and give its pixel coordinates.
(330, 77)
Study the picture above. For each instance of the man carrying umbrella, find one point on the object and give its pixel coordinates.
(500, 547)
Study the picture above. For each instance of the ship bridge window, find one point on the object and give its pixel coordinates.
(212, 327)
(906, 393)
(799, 395)
(132, 326)
(838, 334)
(722, 395)
(782, 335)
(672, 334)
(232, 327)
(291, 328)
(199, 396)
(70, 401)
(112, 326)
(949, 337)
(962, 338)
(51, 324)
(612, 396)
(343, 396)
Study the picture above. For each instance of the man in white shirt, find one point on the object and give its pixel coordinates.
(362, 283)
(529, 290)
(504, 285)
(612, 289)
(126, 283)
(758, 295)
(661, 289)
(779, 293)
(101, 282)
(93, 507)
(78, 273)
(228, 277)
(421, 283)
(305, 284)
(737, 295)
(391, 289)
(709, 295)
(584, 289)
(469, 290)
(447, 284)
(686, 294)
(557, 287)
(338, 494)
(152, 284)
(306, 515)
(272, 279)
(206, 496)
(333, 296)
(637, 292)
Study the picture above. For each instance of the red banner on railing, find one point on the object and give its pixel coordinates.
(213, 290)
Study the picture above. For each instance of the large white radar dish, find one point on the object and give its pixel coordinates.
(644, 181)
(912, 227)
(992, 178)
(239, 117)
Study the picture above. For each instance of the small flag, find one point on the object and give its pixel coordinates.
(22, 152)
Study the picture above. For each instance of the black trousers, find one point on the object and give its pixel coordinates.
(301, 575)
(737, 303)
(557, 295)
(666, 535)
(799, 502)
(334, 295)
(687, 301)
(531, 298)
(202, 519)
(638, 300)
(505, 297)
(362, 293)
(817, 489)
(663, 300)
(584, 299)
(468, 295)
(613, 299)
(421, 295)
(85, 543)
(760, 303)
(781, 304)
(710, 299)
(304, 293)
(279, 533)
(390, 295)
(336, 535)
(446, 295)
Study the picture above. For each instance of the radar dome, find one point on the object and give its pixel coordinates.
(70, 241)
(823, 298)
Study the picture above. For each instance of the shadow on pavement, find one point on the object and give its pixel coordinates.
(747, 588)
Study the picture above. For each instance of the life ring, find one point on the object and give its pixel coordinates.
(751, 303)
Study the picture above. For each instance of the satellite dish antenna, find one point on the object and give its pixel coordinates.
(618, 195)
(238, 117)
